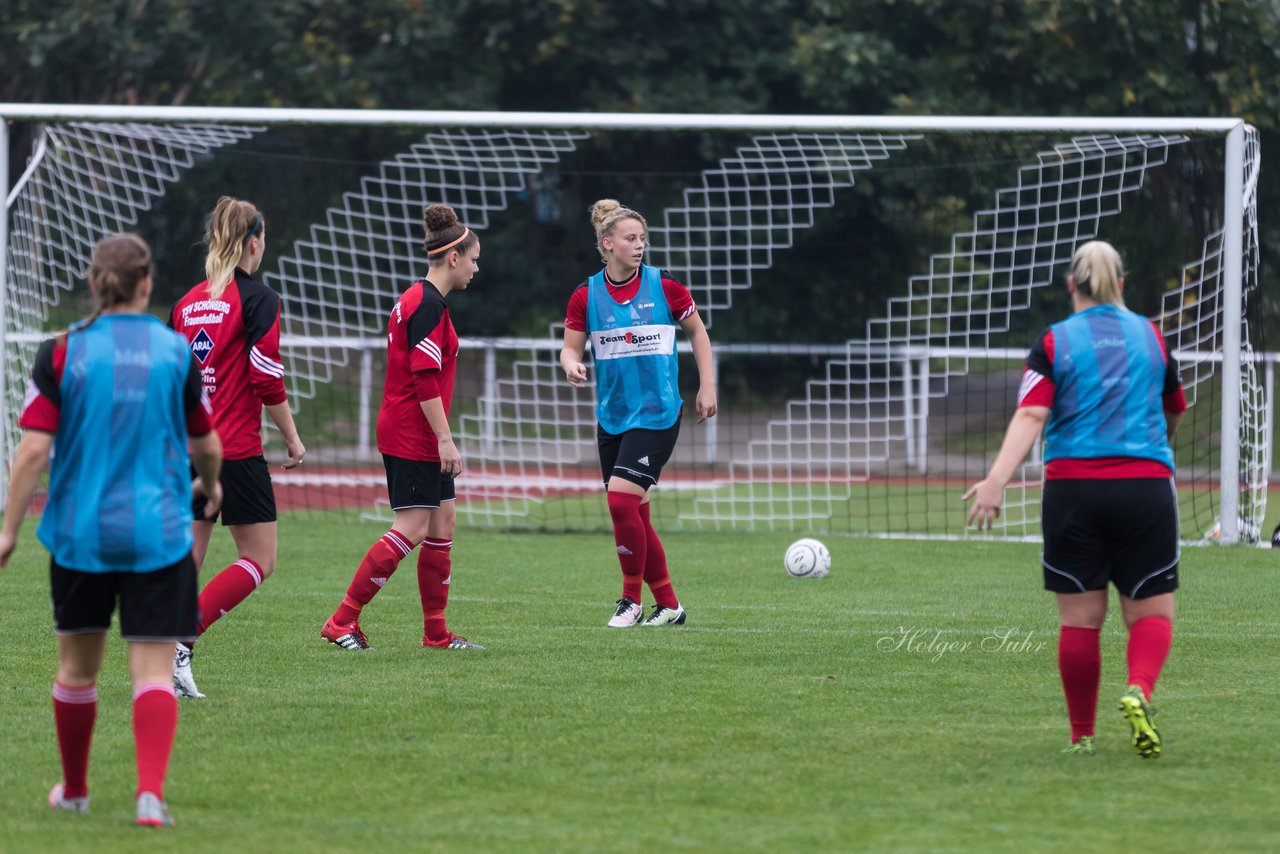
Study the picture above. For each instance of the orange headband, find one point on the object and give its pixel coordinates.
(450, 244)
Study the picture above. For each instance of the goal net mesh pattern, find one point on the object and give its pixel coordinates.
(864, 411)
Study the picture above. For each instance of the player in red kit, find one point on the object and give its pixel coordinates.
(417, 446)
(232, 322)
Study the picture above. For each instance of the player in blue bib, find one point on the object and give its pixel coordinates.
(1106, 383)
(630, 312)
(120, 395)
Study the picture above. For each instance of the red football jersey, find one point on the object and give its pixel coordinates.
(422, 355)
(236, 340)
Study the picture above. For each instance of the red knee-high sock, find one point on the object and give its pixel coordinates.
(74, 713)
(379, 564)
(1080, 665)
(1148, 647)
(434, 573)
(655, 565)
(227, 589)
(155, 722)
(631, 540)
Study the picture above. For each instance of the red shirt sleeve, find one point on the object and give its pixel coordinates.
(1173, 396)
(1037, 388)
(427, 384)
(261, 316)
(679, 300)
(575, 316)
(426, 333)
(42, 407)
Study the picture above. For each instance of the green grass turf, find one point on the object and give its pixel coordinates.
(779, 718)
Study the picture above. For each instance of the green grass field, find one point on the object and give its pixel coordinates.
(779, 718)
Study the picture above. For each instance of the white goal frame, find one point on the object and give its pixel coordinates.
(1232, 130)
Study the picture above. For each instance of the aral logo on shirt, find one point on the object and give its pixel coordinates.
(202, 346)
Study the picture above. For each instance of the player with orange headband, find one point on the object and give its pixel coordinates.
(414, 439)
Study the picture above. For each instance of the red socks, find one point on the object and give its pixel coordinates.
(379, 563)
(434, 573)
(155, 722)
(1148, 647)
(1080, 665)
(655, 565)
(228, 589)
(632, 541)
(74, 713)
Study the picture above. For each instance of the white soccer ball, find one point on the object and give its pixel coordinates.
(807, 558)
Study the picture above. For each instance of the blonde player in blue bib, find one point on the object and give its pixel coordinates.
(630, 311)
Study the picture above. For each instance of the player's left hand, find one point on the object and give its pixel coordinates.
(296, 452)
(705, 404)
(987, 497)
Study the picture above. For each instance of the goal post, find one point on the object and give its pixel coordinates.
(870, 283)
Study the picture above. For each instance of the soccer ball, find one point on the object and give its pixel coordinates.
(807, 558)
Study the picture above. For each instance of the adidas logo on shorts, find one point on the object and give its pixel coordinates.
(644, 461)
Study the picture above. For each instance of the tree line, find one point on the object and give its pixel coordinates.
(917, 57)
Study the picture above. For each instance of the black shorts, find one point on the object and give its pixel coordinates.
(154, 606)
(637, 455)
(247, 496)
(416, 483)
(1119, 531)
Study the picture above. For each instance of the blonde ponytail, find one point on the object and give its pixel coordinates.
(231, 225)
(1097, 271)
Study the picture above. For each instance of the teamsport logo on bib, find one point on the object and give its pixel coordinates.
(202, 346)
(634, 341)
(630, 338)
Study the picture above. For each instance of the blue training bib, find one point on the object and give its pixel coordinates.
(634, 346)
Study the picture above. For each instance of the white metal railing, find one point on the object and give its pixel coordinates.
(914, 367)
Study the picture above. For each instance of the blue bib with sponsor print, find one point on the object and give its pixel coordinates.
(634, 347)
(120, 482)
(1109, 369)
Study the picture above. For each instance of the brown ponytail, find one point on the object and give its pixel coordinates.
(119, 264)
(442, 233)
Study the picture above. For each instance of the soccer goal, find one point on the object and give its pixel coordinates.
(871, 285)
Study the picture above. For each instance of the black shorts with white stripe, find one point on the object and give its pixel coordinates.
(1122, 531)
(636, 455)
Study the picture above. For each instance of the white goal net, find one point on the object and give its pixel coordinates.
(870, 290)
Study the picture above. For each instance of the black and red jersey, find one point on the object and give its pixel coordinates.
(679, 300)
(236, 339)
(422, 356)
(1039, 388)
(42, 408)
